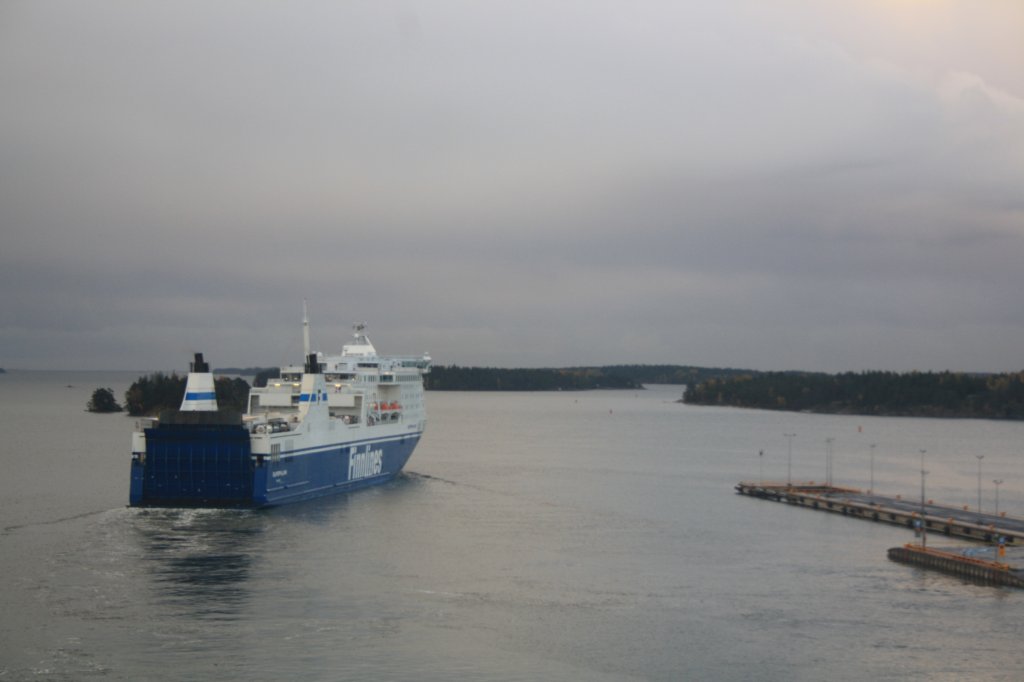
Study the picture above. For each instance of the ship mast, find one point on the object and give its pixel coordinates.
(312, 363)
(305, 330)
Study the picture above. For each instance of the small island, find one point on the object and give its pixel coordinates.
(103, 402)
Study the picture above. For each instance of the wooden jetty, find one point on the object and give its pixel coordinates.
(935, 518)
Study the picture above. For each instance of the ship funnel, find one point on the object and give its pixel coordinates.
(312, 391)
(198, 365)
(312, 364)
(200, 394)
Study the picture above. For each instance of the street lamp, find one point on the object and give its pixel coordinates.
(998, 482)
(789, 460)
(871, 489)
(828, 461)
(924, 524)
(980, 457)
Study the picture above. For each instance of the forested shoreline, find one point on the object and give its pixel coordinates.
(918, 394)
(915, 394)
(455, 378)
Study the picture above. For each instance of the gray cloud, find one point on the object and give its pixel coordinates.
(512, 183)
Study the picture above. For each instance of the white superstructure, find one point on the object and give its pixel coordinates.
(353, 395)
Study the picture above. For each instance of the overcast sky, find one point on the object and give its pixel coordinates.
(796, 184)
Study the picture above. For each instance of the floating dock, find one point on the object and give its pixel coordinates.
(997, 570)
(898, 511)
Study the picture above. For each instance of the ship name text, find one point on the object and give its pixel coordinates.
(365, 464)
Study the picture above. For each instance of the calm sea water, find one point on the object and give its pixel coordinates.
(550, 536)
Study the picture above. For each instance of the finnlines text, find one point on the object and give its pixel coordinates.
(365, 464)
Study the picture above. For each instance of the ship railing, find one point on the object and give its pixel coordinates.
(417, 361)
(275, 425)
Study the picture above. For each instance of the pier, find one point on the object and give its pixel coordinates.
(1001, 563)
(898, 511)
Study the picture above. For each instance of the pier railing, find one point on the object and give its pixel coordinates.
(897, 511)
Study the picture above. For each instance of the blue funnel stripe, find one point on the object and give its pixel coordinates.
(211, 395)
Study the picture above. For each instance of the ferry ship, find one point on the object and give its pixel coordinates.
(335, 424)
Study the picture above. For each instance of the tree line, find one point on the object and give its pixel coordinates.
(455, 378)
(153, 393)
(922, 394)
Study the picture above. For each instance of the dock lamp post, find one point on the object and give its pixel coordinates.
(828, 461)
(980, 457)
(924, 524)
(871, 489)
(789, 460)
(998, 482)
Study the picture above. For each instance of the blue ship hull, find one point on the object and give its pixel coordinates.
(213, 466)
